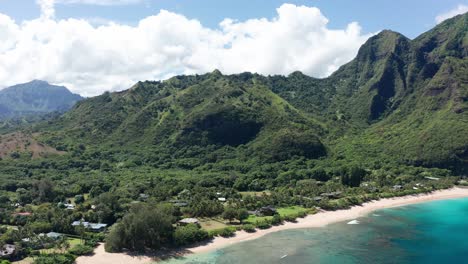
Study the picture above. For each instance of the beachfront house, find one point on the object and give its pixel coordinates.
(95, 227)
(187, 221)
(265, 211)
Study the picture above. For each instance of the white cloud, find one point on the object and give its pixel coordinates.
(91, 59)
(99, 2)
(460, 9)
(47, 8)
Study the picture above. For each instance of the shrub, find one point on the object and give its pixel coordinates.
(276, 220)
(301, 214)
(290, 218)
(189, 234)
(79, 250)
(249, 228)
(227, 232)
(55, 259)
(263, 224)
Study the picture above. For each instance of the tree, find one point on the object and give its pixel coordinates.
(79, 199)
(143, 227)
(242, 214)
(229, 213)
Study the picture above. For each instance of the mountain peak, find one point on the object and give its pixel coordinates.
(216, 72)
(36, 96)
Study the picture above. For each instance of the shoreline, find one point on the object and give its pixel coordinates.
(320, 219)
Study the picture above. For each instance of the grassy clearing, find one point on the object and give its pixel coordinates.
(27, 260)
(285, 211)
(258, 194)
(212, 224)
(73, 242)
(10, 227)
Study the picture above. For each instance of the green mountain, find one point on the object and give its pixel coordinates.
(399, 100)
(35, 97)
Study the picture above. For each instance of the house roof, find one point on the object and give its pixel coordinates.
(189, 221)
(89, 225)
(53, 235)
(7, 249)
(23, 214)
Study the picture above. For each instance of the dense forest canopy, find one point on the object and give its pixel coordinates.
(393, 121)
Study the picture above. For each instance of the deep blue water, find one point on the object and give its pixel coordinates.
(432, 232)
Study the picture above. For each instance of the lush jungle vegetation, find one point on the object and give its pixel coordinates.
(241, 151)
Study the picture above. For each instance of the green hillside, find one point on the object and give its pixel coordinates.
(399, 100)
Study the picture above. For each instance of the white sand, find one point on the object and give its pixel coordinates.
(317, 220)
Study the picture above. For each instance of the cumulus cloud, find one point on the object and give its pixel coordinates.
(460, 9)
(90, 59)
(99, 2)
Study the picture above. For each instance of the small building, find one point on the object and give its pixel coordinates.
(7, 250)
(22, 214)
(187, 221)
(69, 206)
(54, 235)
(397, 187)
(432, 178)
(317, 198)
(95, 227)
(144, 196)
(222, 199)
(266, 211)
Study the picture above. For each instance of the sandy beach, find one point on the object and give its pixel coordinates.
(317, 220)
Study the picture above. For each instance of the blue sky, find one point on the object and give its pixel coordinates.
(92, 46)
(409, 17)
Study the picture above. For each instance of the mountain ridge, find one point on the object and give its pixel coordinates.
(35, 97)
(399, 100)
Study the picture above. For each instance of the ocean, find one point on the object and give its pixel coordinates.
(431, 232)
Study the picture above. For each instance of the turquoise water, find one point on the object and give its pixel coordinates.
(433, 232)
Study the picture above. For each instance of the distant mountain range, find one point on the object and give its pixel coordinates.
(399, 100)
(35, 97)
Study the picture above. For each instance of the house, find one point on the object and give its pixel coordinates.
(7, 250)
(187, 221)
(397, 187)
(22, 214)
(266, 211)
(222, 199)
(69, 206)
(317, 198)
(144, 196)
(54, 235)
(95, 227)
(432, 178)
